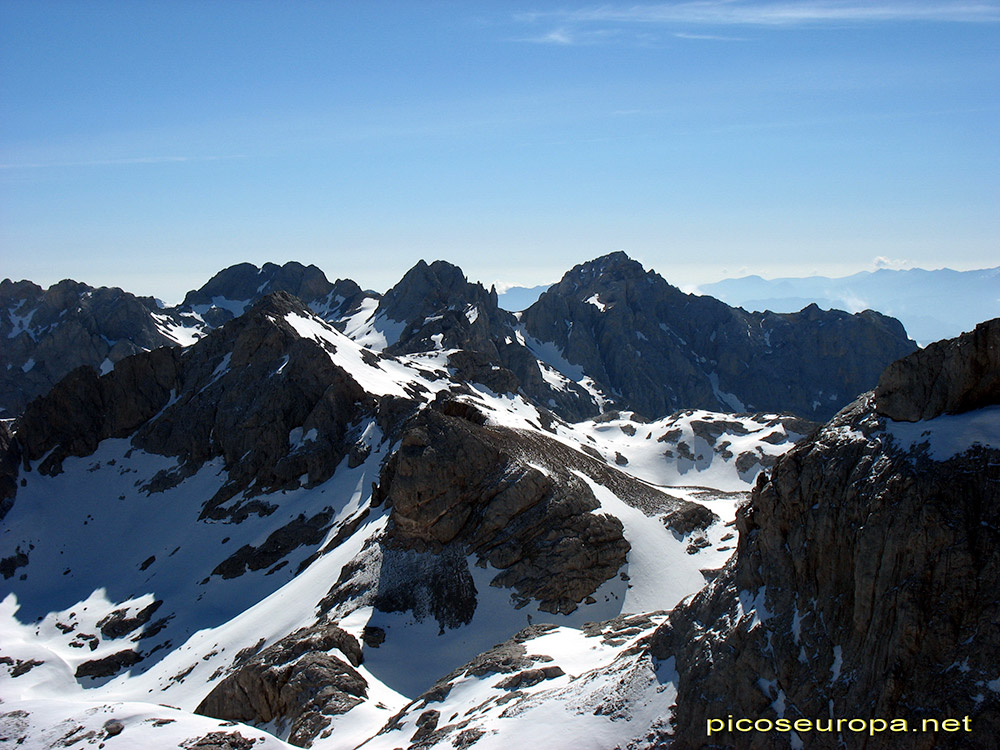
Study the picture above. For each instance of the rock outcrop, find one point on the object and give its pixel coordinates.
(948, 377)
(47, 333)
(297, 683)
(865, 582)
(455, 483)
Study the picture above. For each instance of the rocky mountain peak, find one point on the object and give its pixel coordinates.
(245, 281)
(604, 272)
(660, 350)
(948, 377)
(428, 288)
(46, 333)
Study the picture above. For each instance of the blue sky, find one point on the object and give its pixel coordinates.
(149, 144)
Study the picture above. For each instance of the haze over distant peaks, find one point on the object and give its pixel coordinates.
(931, 305)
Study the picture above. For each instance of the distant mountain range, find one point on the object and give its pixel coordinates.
(610, 335)
(517, 298)
(931, 305)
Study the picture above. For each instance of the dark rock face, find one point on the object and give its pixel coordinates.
(85, 408)
(229, 395)
(10, 459)
(948, 377)
(45, 334)
(866, 582)
(243, 285)
(455, 484)
(437, 299)
(109, 665)
(298, 532)
(664, 350)
(440, 308)
(428, 585)
(296, 682)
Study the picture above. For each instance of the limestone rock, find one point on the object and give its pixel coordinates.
(296, 683)
(455, 483)
(865, 582)
(948, 377)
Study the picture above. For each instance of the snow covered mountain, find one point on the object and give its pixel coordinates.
(278, 527)
(932, 305)
(298, 533)
(609, 335)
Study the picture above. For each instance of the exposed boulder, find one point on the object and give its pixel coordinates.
(118, 623)
(219, 741)
(109, 665)
(296, 683)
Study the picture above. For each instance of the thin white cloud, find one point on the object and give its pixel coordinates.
(579, 35)
(895, 264)
(556, 36)
(709, 37)
(736, 12)
(119, 162)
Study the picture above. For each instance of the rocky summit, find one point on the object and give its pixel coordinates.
(658, 350)
(414, 520)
